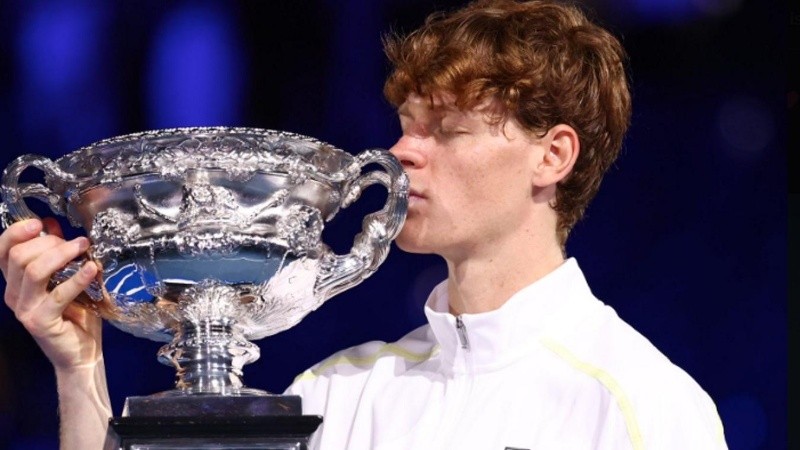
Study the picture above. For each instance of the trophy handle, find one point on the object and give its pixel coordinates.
(13, 208)
(371, 245)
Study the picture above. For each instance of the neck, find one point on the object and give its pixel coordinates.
(489, 276)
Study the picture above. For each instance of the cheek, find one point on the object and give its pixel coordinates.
(482, 182)
(497, 181)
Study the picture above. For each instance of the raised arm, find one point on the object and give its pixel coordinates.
(69, 335)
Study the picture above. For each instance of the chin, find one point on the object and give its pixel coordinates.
(411, 243)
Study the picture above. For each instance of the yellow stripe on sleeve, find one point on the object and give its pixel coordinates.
(609, 382)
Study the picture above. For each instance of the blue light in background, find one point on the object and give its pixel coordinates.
(745, 421)
(674, 11)
(717, 7)
(56, 45)
(354, 86)
(664, 10)
(34, 443)
(63, 93)
(746, 126)
(196, 70)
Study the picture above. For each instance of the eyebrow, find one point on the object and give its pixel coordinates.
(439, 108)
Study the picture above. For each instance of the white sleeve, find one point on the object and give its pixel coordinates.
(682, 416)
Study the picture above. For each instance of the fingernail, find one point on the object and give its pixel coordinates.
(88, 268)
(32, 225)
(83, 243)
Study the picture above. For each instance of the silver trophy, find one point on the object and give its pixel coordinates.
(208, 238)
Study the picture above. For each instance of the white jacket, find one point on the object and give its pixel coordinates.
(553, 368)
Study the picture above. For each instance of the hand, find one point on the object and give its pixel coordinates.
(69, 334)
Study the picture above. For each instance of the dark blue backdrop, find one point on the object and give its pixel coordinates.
(687, 238)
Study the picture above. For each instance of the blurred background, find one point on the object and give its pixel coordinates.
(686, 239)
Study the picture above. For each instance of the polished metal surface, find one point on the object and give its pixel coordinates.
(210, 237)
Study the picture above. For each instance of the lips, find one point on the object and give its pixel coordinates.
(415, 196)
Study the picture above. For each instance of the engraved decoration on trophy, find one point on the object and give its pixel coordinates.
(208, 238)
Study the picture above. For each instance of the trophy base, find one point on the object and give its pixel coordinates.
(177, 404)
(212, 422)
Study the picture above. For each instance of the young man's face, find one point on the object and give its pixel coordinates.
(471, 180)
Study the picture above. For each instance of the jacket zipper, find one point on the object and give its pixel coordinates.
(462, 333)
(462, 393)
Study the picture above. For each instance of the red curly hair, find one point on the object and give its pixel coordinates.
(544, 61)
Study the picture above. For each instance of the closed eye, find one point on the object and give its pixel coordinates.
(451, 132)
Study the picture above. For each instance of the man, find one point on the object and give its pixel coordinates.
(511, 114)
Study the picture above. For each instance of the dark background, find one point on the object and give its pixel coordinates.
(687, 238)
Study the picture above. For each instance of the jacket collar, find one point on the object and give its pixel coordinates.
(497, 338)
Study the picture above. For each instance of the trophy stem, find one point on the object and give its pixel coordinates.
(209, 356)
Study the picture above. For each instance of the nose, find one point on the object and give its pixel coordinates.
(407, 151)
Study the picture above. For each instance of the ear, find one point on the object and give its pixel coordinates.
(561, 147)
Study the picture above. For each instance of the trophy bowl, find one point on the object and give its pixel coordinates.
(208, 238)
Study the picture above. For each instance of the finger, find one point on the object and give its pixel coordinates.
(36, 275)
(63, 295)
(52, 226)
(48, 318)
(23, 253)
(19, 257)
(17, 233)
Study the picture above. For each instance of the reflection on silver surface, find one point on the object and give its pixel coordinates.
(210, 237)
